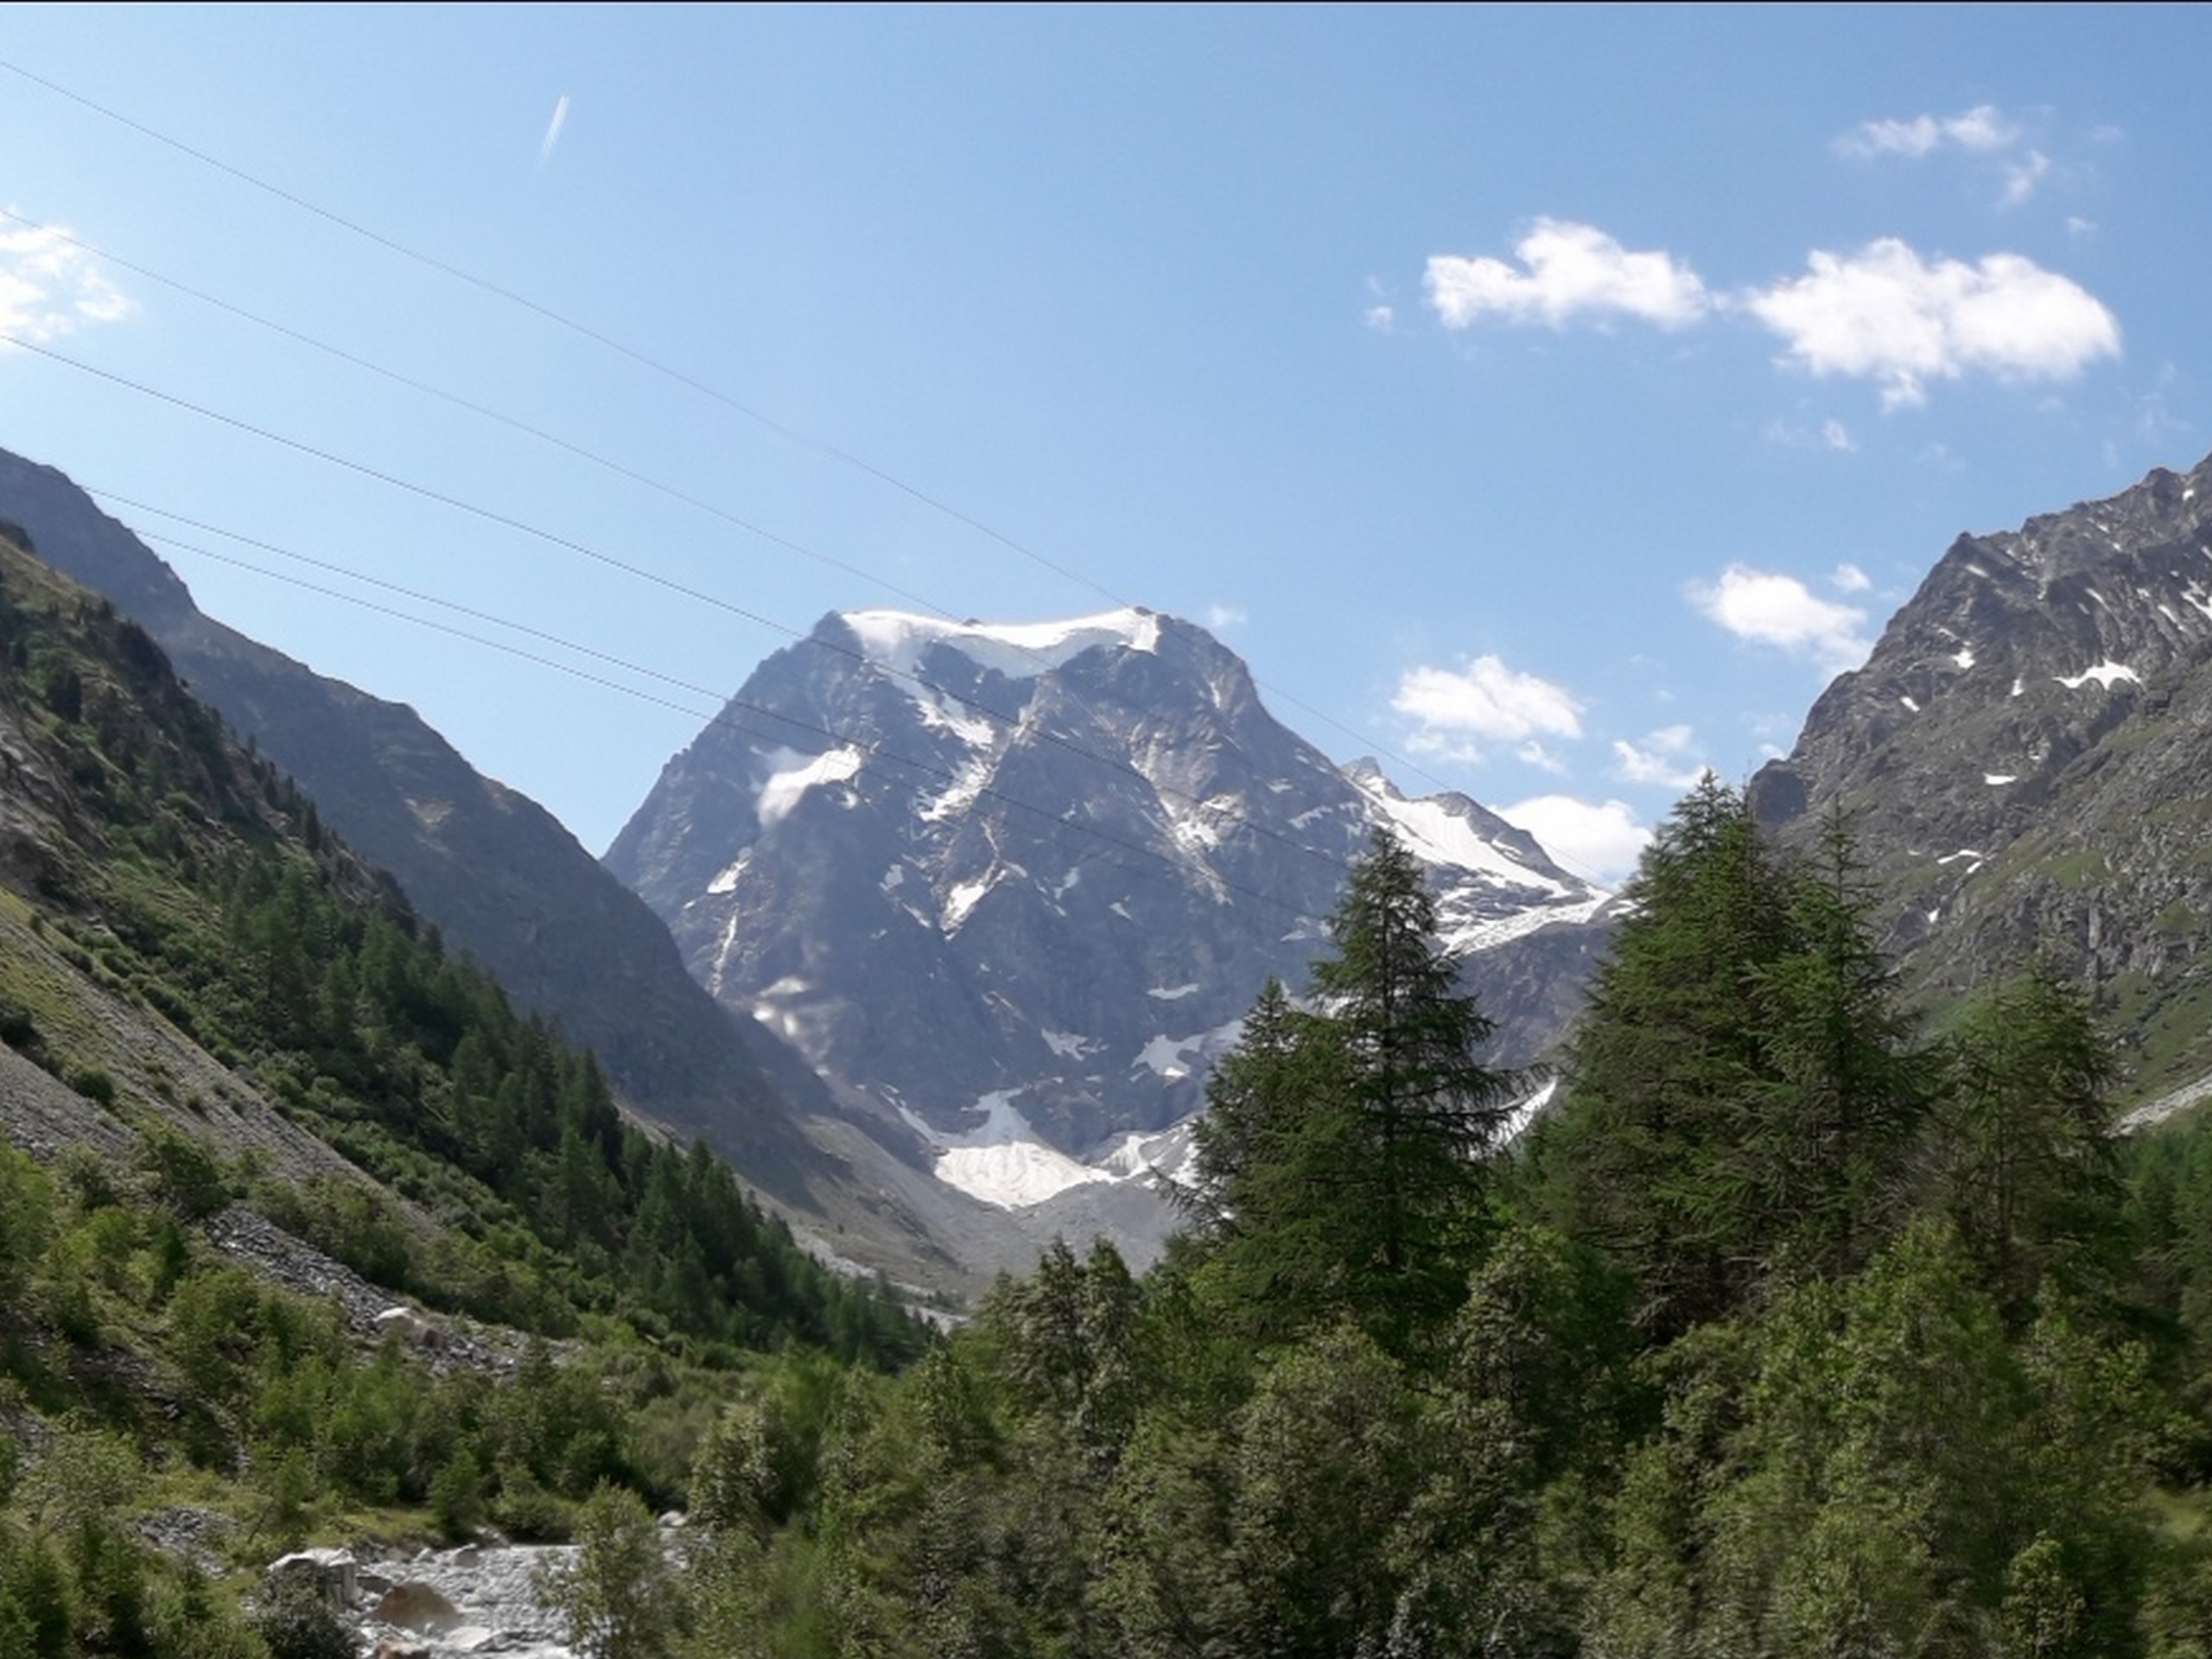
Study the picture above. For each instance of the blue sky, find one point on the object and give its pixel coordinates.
(1548, 401)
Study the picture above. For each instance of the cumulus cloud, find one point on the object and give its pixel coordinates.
(1454, 709)
(1982, 129)
(1567, 272)
(1379, 318)
(1848, 578)
(1886, 314)
(1666, 756)
(1769, 608)
(1219, 616)
(50, 286)
(1601, 838)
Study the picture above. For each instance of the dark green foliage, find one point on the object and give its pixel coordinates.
(1344, 1178)
(94, 1085)
(1754, 1353)
(2028, 1170)
(1744, 1093)
(617, 1597)
(209, 887)
(291, 1617)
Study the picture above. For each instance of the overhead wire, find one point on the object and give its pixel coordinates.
(659, 367)
(1109, 842)
(860, 657)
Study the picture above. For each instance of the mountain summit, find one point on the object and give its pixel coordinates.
(2021, 760)
(1019, 884)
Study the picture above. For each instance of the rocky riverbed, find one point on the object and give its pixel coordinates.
(438, 1604)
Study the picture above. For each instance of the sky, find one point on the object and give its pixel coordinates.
(1546, 401)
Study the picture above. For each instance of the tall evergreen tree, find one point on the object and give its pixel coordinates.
(2026, 1144)
(1743, 1091)
(1343, 1172)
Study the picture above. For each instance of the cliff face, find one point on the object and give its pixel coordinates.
(2026, 758)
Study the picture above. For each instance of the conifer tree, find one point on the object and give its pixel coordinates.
(1743, 1092)
(1343, 1169)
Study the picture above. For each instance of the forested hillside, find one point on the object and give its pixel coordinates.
(221, 1028)
(1792, 1330)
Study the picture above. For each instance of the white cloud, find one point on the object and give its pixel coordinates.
(50, 286)
(1568, 271)
(1454, 709)
(1837, 436)
(1666, 756)
(1536, 754)
(1848, 578)
(1769, 608)
(1983, 129)
(2023, 175)
(2077, 225)
(1886, 314)
(1225, 616)
(1601, 838)
(553, 130)
(1380, 318)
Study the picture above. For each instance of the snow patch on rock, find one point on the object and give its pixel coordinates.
(790, 774)
(2106, 674)
(898, 639)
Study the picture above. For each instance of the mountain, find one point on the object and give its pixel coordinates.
(2023, 760)
(194, 969)
(502, 879)
(1019, 885)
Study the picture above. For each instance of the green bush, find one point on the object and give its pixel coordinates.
(94, 1085)
(17, 1029)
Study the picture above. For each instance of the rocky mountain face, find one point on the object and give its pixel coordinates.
(2026, 761)
(1019, 885)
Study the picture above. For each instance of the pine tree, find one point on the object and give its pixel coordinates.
(1842, 1088)
(1743, 1092)
(2026, 1143)
(1658, 1067)
(1342, 1172)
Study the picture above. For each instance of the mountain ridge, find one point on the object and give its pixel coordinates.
(1016, 884)
(2020, 758)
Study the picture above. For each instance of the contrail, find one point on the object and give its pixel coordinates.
(553, 130)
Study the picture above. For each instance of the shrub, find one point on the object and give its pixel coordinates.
(94, 1085)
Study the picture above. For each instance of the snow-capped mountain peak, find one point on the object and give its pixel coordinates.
(902, 641)
(1020, 883)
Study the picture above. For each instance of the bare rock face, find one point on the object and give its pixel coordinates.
(2023, 761)
(1019, 885)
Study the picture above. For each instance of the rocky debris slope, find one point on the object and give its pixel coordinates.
(479, 1598)
(443, 1341)
(2023, 760)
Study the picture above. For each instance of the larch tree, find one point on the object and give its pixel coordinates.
(1343, 1166)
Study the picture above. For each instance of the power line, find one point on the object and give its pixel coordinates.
(483, 411)
(669, 372)
(514, 422)
(559, 318)
(1109, 842)
(861, 658)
